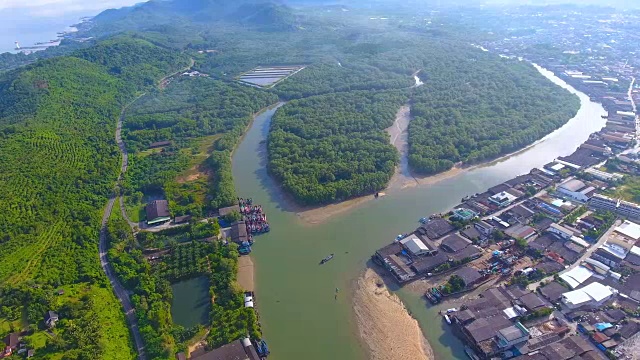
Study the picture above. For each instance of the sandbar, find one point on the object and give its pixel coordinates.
(385, 325)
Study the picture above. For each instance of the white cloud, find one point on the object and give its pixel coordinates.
(47, 8)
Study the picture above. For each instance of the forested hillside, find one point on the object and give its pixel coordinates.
(60, 162)
(138, 61)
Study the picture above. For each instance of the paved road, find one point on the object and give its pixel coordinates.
(118, 289)
(633, 104)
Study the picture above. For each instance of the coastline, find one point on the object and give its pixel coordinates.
(384, 324)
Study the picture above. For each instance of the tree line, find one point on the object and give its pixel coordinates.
(333, 147)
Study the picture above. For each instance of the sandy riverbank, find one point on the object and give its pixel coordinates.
(399, 138)
(385, 324)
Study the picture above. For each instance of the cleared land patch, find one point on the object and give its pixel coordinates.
(269, 76)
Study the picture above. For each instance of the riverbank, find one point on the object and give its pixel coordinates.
(384, 324)
(299, 283)
(245, 273)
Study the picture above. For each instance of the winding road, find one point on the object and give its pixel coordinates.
(103, 247)
(118, 289)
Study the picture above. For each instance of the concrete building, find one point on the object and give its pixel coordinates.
(561, 231)
(484, 228)
(416, 246)
(604, 176)
(629, 209)
(464, 214)
(602, 202)
(512, 335)
(620, 207)
(576, 190)
(502, 199)
(624, 236)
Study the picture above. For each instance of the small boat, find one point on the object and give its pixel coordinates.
(447, 319)
(244, 250)
(325, 260)
(452, 310)
(423, 220)
(262, 348)
(470, 353)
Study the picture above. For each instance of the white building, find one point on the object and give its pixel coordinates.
(415, 246)
(603, 175)
(592, 295)
(576, 190)
(602, 202)
(503, 199)
(629, 209)
(620, 207)
(576, 276)
(561, 231)
(484, 228)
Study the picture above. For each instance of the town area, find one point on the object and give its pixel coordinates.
(546, 265)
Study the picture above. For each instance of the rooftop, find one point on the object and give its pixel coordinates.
(428, 263)
(573, 185)
(531, 301)
(486, 328)
(231, 351)
(468, 274)
(157, 209)
(455, 243)
(629, 229)
(436, 228)
(414, 244)
(594, 291)
(511, 333)
(553, 291)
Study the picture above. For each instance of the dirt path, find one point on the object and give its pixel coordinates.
(385, 324)
(245, 273)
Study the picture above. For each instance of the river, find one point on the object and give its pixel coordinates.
(301, 318)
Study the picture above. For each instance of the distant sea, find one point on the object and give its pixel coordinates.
(42, 24)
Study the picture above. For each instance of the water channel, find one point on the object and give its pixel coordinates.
(295, 296)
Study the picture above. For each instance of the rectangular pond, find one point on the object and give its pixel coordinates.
(191, 303)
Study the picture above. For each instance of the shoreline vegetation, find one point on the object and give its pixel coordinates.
(384, 324)
(402, 178)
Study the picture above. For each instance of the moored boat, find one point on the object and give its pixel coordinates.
(447, 319)
(470, 353)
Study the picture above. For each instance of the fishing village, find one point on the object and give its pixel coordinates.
(545, 265)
